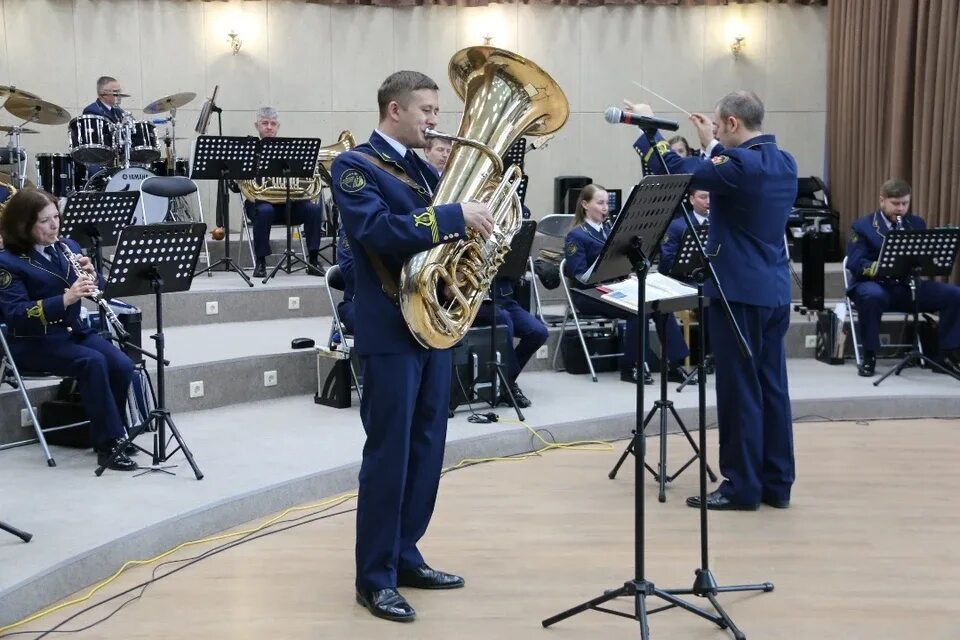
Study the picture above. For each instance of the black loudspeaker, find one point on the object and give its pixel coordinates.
(333, 380)
(561, 186)
(55, 413)
(473, 380)
(813, 255)
(601, 341)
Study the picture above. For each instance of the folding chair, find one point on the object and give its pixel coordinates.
(280, 221)
(852, 319)
(334, 280)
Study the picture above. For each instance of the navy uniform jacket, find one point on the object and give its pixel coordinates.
(752, 189)
(581, 249)
(97, 108)
(866, 237)
(383, 215)
(345, 262)
(31, 294)
(671, 242)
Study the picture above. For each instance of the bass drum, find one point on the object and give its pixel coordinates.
(151, 209)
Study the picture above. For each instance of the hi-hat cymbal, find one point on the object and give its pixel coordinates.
(174, 101)
(8, 129)
(37, 110)
(7, 91)
(117, 94)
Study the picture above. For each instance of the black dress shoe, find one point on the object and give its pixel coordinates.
(522, 401)
(387, 604)
(716, 501)
(260, 270)
(677, 374)
(423, 577)
(776, 504)
(130, 450)
(315, 269)
(869, 365)
(121, 462)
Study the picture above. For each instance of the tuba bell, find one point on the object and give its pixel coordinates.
(505, 97)
(274, 190)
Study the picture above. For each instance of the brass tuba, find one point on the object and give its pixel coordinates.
(505, 97)
(274, 190)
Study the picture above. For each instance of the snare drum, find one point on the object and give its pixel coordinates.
(143, 142)
(56, 174)
(92, 139)
(181, 168)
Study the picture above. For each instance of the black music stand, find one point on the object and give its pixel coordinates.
(686, 267)
(95, 219)
(23, 535)
(157, 259)
(512, 268)
(224, 158)
(288, 158)
(913, 253)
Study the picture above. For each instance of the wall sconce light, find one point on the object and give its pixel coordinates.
(488, 39)
(233, 38)
(738, 45)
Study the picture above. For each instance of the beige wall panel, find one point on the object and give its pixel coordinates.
(172, 49)
(362, 57)
(610, 55)
(796, 59)
(561, 157)
(550, 36)
(424, 41)
(802, 134)
(245, 75)
(722, 71)
(607, 154)
(499, 21)
(360, 123)
(4, 53)
(42, 57)
(299, 56)
(116, 22)
(671, 42)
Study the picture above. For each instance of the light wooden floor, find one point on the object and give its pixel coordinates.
(868, 550)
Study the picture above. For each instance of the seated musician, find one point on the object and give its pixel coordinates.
(698, 204)
(582, 248)
(107, 103)
(680, 146)
(40, 302)
(437, 152)
(873, 296)
(263, 215)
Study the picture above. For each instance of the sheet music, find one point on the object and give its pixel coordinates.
(625, 294)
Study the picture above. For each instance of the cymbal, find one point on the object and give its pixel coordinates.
(13, 92)
(117, 94)
(174, 101)
(37, 110)
(8, 129)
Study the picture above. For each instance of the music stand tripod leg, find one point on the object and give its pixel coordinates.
(23, 535)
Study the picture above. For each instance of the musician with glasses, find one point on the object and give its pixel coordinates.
(262, 215)
(107, 103)
(383, 190)
(582, 246)
(40, 303)
(875, 296)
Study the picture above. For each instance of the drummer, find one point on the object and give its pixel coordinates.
(107, 103)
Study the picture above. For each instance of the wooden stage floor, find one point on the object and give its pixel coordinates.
(867, 550)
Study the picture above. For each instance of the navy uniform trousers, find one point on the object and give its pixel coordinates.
(263, 215)
(753, 405)
(103, 374)
(873, 298)
(520, 324)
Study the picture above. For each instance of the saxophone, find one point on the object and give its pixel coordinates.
(505, 97)
(274, 190)
(97, 295)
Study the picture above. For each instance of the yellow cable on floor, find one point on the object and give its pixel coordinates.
(585, 445)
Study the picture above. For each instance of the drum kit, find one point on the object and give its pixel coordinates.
(103, 155)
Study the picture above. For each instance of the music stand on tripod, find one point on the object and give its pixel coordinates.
(913, 253)
(288, 158)
(23, 535)
(157, 259)
(224, 158)
(512, 268)
(686, 264)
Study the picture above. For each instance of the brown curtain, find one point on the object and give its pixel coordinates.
(893, 105)
(567, 3)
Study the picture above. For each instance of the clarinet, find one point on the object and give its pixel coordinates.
(97, 295)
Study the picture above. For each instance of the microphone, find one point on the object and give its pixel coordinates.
(614, 115)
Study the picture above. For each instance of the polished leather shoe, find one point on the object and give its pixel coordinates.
(776, 504)
(423, 577)
(260, 270)
(131, 449)
(716, 501)
(869, 365)
(522, 401)
(387, 604)
(120, 462)
(677, 374)
(315, 269)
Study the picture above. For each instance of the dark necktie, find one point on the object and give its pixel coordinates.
(54, 258)
(412, 169)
